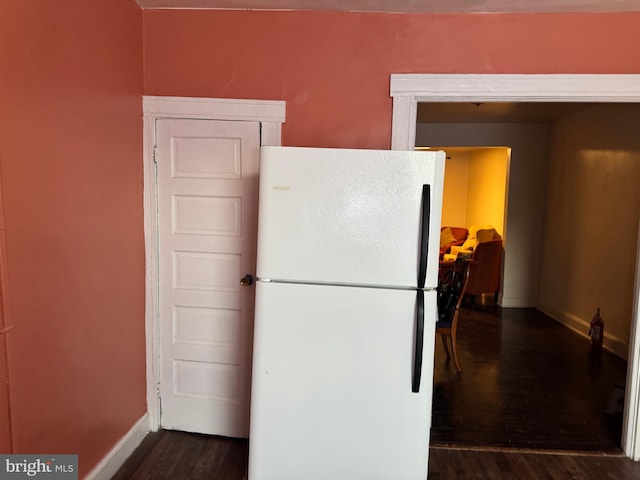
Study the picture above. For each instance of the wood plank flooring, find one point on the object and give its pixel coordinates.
(510, 464)
(174, 455)
(531, 403)
(168, 455)
(526, 382)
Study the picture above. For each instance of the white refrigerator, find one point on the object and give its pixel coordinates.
(348, 245)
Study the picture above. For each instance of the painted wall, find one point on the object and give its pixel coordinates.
(487, 187)
(525, 197)
(70, 157)
(475, 186)
(456, 185)
(333, 68)
(591, 221)
(5, 412)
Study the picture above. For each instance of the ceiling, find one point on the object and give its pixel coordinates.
(407, 6)
(496, 112)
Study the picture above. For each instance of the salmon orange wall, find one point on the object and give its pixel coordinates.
(333, 68)
(5, 412)
(70, 158)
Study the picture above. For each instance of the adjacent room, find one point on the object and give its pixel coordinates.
(588, 154)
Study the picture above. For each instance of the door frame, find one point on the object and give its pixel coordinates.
(269, 113)
(407, 90)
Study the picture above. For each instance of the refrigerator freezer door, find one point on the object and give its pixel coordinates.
(347, 216)
(332, 384)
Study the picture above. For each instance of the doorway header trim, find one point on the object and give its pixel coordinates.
(407, 90)
(221, 108)
(530, 88)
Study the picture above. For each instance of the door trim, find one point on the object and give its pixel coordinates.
(409, 89)
(269, 113)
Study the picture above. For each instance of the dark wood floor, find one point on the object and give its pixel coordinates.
(526, 382)
(531, 403)
(170, 455)
(510, 464)
(188, 456)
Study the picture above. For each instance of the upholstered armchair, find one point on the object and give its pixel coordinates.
(451, 236)
(476, 235)
(485, 268)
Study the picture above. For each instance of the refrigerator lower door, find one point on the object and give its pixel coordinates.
(332, 384)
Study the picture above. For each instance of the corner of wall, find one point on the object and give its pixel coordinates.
(121, 451)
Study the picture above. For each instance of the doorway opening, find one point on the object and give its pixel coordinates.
(475, 188)
(410, 90)
(608, 178)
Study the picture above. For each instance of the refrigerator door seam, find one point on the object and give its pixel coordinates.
(337, 284)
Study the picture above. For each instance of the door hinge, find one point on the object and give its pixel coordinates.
(155, 154)
(159, 403)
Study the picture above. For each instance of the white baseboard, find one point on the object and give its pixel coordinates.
(112, 462)
(612, 343)
(516, 302)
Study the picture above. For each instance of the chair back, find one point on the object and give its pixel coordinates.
(484, 276)
(451, 289)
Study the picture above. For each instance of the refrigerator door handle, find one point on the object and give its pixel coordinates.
(417, 360)
(422, 276)
(424, 236)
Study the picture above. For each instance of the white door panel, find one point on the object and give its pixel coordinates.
(199, 215)
(207, 215)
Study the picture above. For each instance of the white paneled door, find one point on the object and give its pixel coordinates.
(207, 217)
